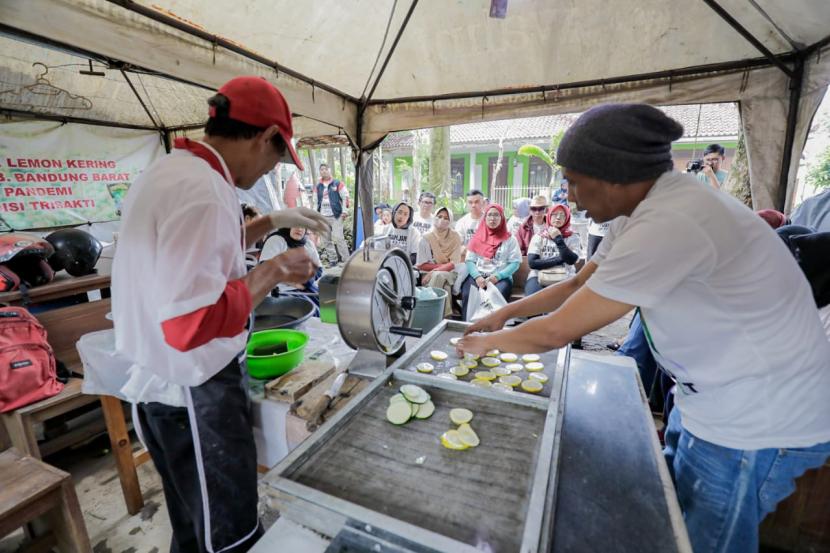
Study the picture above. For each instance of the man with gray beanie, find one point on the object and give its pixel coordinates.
(722, 302)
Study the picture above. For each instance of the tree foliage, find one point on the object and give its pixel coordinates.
(819, 173)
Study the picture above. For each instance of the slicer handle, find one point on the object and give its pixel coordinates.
(404, 331)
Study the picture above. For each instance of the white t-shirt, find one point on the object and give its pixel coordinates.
(598, 229)
(181, 241)
(466, 227)
(423, 224)
(824, 315)
(728, 313)
(325, 205)
(508, 252)
(406, 239)
(546, 248)
(381, 228)
(276, 244)
(513, 224)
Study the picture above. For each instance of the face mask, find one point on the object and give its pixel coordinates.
(442, 224)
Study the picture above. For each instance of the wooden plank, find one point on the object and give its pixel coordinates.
(24, 480)
(64, 285)
(292, 386)
(67, 521)
(41, 544)
(21, 433)
(122, 452)
(77, 435)
(474, 496)
(65, 326)
(352, 386)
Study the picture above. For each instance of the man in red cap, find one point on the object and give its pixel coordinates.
(182, 302)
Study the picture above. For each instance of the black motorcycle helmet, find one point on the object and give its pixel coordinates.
(76, 250)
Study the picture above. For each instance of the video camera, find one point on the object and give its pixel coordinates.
(694, 166)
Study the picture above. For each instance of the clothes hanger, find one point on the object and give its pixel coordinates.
(42, 94)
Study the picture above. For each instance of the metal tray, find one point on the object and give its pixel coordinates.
(360, 469)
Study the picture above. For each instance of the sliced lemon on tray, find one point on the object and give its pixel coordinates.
(438, 355)
(532, 386)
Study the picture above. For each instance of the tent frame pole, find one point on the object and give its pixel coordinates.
(796, 82)
(140, 99)
(732, 22)
(68, 119)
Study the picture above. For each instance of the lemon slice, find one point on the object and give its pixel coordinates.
(492, 353)
(447, 376)
(485, 375)
(468, 436)
(451, 440)
(532, 386)
(500, 371)
(425, 410)
(454, 341)
(460, 416)
(460, 370)
(534, 366)
(481, 383)
(438, 355)
(469, 364)
(530, 357)
(515, 367)
(490, 362)
(424, 367)
(511, 380)
(509, 357)
(502, 387)
(538, 377)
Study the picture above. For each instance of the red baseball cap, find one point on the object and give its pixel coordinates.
(255, 101)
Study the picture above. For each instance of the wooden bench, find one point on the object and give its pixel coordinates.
(30, 489)
(519, 280)
(64, 327)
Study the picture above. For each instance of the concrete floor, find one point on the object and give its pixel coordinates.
(112, 530)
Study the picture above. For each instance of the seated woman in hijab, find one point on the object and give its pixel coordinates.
(493, 256)
(402, 234)
(277, 243)
(438, 254)
(521, 211)
(552, 253)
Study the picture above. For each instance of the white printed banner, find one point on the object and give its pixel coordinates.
(54, 174)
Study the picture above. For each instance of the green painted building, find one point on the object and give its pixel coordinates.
(474, 152)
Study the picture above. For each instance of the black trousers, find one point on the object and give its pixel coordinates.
(206, 457)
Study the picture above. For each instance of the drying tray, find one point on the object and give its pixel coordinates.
(359, 469)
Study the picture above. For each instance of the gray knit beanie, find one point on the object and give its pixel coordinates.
(621, 143)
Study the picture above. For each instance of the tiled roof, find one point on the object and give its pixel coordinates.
(713, 120)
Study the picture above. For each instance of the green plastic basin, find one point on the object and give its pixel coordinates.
(292, 342)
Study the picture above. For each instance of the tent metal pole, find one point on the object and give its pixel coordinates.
(390, 53)
(789, 138)
(726, 16)
(185, 27)
(68, 119)
(140, 99)
(703, 70)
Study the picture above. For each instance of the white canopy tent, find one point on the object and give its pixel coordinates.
(364, 68)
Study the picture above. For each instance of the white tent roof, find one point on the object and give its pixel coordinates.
(368, 67)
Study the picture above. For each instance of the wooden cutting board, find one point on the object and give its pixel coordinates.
(292, 386)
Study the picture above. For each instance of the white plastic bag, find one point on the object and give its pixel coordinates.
(483, 302)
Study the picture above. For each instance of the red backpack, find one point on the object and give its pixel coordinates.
(27, 363)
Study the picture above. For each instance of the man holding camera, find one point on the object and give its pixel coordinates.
(711, 172)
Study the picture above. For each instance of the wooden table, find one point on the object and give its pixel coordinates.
(64, 327)
(63, 286)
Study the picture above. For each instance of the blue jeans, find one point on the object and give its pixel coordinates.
(725, 493)
(636, 346)
(532, 286)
